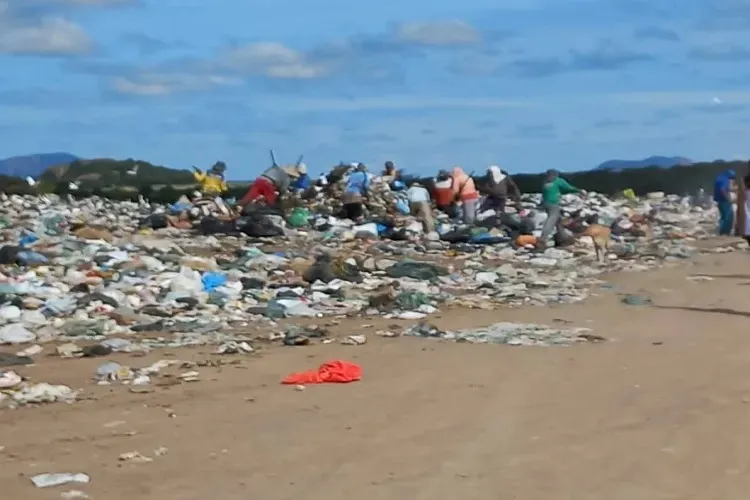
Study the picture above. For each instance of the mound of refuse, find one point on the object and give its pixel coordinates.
(90, 277)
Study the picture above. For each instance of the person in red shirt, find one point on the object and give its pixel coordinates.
(442, 192)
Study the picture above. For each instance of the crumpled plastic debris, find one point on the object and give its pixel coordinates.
(51, 480)
(516, 334)
(106, 285)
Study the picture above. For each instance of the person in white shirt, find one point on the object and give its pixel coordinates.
(420, 206)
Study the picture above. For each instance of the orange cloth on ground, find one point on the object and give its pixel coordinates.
(463, 185)
(332, 372)
(525, 239)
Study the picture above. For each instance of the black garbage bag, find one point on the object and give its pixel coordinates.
(9, 254)
(416, 270)
(457, 236)
(155, 221)
(212, 225)
(491, 222)
(396, 234)
(258, 225)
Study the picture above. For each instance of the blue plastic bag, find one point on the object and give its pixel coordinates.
(403, 207)
(28, 258)
(28, 239)
(212, 281)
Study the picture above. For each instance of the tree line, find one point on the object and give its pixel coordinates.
(118, 181)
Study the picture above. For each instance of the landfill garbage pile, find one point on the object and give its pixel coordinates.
(82, 278)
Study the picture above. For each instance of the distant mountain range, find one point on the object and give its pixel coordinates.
(34, 165)
(651, 161)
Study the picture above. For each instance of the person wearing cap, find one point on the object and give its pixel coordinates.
(465, 192)
(212, 182)
(303, 182)
(501, 186)
(271, 184)
(420, 207)
(353, 199)
(723, 198)
(552, 190)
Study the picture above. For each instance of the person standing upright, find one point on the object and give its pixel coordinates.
(552, 190)
(723, 199)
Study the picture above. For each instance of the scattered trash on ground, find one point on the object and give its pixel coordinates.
(100, 278)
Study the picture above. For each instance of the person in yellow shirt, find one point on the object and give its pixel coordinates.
(212, 182)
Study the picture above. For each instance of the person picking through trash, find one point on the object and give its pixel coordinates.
(723, 199)
(353, 199)
(442, 192)
(392, 177)
(501, 186)
(420, 206)
(389, 172)
(212, 182)
(465, 192)
(552, 190)
(303, 182)
(271, 184)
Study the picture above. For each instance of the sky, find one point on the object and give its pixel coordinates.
(429, 84)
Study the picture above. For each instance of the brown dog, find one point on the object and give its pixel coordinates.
(602, 236)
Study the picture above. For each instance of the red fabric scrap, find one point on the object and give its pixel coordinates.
(331, 372)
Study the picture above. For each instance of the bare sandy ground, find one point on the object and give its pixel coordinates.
(660, 412)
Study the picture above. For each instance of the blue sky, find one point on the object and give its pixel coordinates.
(528, 84)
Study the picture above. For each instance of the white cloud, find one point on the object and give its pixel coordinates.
(51, 36)
(398, 103)
(154, 84)
(610, 101)
(438, 33)
(130, 86)
(273, 60)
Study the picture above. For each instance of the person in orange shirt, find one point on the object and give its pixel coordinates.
(466, 192)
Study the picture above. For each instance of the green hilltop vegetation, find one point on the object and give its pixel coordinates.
(105, 172)
(127, 179)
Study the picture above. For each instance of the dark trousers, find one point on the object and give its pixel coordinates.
(353, 211)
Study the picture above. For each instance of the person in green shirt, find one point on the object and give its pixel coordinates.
(552, 190)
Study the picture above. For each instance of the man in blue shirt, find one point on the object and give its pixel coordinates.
(723, 198)
(355, 193)
(302, 182)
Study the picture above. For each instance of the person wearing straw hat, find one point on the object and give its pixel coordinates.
(303, 182)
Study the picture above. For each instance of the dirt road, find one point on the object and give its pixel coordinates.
(660, 412)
